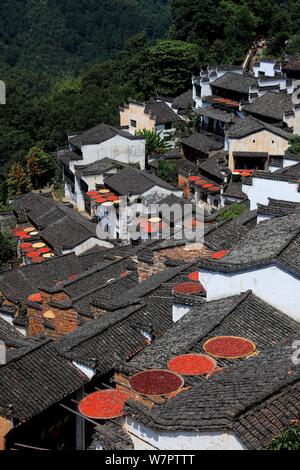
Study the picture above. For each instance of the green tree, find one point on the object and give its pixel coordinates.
(156, 144)
(171, 65)
(240, 28)
(41, 167)
(167, 171)
(7, 247)
(294, 145)
(231, 212)
(18, 181)
(289, 439)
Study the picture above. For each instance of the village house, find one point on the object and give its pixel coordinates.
(265, 184)
(221, 412)
(156, 114)
(265, 261)
(33, 384)
(251, 143)
(83, 161)
(54, 224)
(276, 208)
(140, 190)
(198, 146)
(270, 107)
(227, 87)
(208, 187)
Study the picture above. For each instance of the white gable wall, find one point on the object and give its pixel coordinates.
(262, 189)
(273, 285)
(145, 438)
(118, 148)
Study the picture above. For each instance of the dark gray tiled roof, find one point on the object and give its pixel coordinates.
(67, 155)
(18, 284)
(103, 280)
(115, 336)
(146, 307)
(111, 436)
(215, 166)
(187, 168)
(99, 134)
(132, 181)
(289, 173)
(249, 125)
(162, 112)
(243, 315)
(291, 156)
(184, 101)
(278, 208)
(270, 105)
(98, 167)
(227, 233)
(36, 380)
(216, 113)
(60, 226)
(233, 188)
(236, 82)
(258, 427)
(292, 64)
(216, 404)
(271, 241)
(140, 291)
(203, 142)
(13, 339)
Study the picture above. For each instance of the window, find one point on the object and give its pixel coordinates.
(216, 202)
(273, 141)
(132, 123)
(253, 141)
(168, 125)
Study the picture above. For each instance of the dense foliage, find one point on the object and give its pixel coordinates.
(156, 144)
(167, 171)
(56, 35)
(225, 29)
(232, 211)
(70, 65)
(294, 145)
(289, 439)
(7, 248)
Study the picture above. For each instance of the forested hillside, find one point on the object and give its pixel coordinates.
(70, 64)
(224, 29)
(61, 35)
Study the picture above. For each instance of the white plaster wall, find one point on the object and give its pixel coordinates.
(266, 67)
(261, 218)
(79, 196)
(181, 440)
(179, 310)
(90, 243)
(205, 88)
(293, 121)
(7, 318)
(118, 148)
(91, 181)
(262, 189)
(88, 371)
(273, 285)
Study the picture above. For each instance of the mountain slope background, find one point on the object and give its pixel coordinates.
(70, 64)
(61, 35)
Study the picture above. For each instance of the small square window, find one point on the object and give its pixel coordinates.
(273, 141)
(254, 141)
(132, 123)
